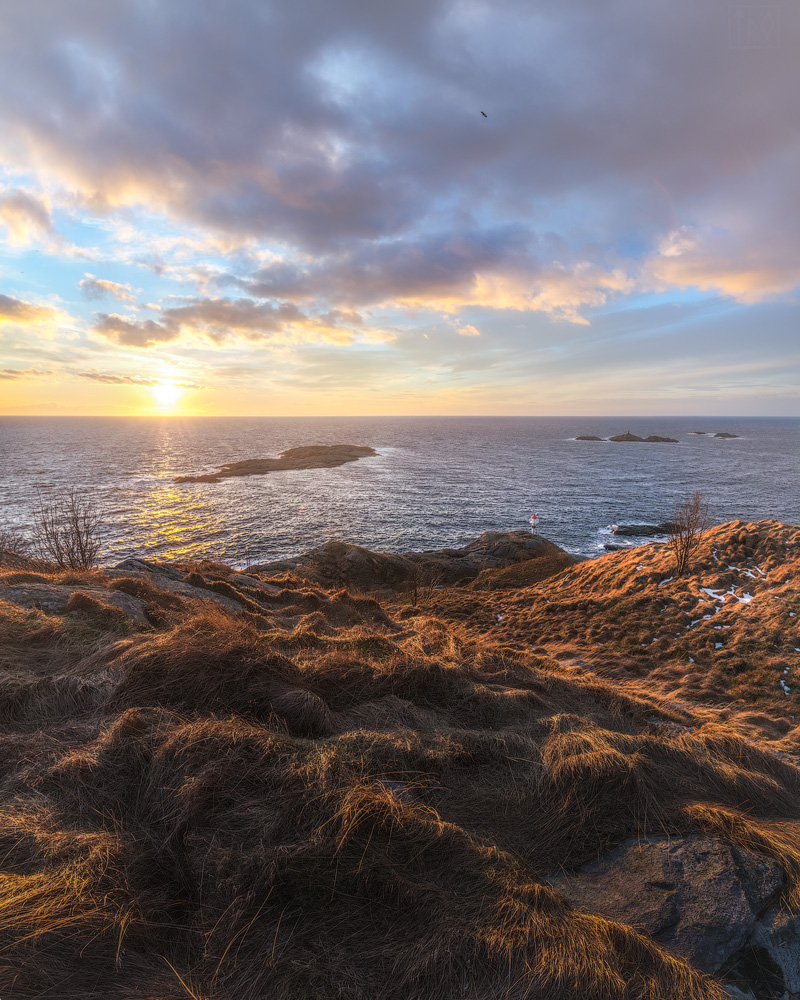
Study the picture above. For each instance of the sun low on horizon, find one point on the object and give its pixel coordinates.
(167, 395)
(444, 209)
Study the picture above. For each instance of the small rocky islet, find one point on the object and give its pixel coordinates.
(316, 456)
(651, 438)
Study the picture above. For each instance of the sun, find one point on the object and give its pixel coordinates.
(167, 394)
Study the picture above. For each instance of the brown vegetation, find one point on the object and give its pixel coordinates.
(320, 796)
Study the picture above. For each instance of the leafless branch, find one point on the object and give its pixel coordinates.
(688, 523)
(65, 530)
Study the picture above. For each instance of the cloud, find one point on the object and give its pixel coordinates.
(354, 129)
(729, 263)
(18, 311)
(108, 378)
(223, 319)
(25, 217)
(133, 333)
(14, 374)
(324, 177)
(100, 288)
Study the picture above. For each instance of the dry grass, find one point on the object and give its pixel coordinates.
(319, 799)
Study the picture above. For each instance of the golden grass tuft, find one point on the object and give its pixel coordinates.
(322, 799)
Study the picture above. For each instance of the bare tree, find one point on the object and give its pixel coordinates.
(65, 530)
(688, 523)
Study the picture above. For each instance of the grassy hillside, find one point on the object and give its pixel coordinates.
(221, 786)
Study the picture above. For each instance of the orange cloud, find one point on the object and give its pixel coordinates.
(24, 216)
(22, 313)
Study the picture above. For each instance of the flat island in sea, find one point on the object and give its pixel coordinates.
(316, 456)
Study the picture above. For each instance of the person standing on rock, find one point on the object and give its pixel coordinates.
(533, 523)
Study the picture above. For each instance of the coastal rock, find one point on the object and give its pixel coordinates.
(167, 577)
(643, 530)
(725, 434)
(307, 457)
(341, 564)
(697, 896)
(589, 437)
(58, 599)
(652, 438)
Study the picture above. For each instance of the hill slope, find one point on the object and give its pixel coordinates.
(223, 785)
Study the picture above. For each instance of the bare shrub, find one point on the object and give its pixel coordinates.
(422, 585)
(65, 530)
(14, 540)
(688, 523)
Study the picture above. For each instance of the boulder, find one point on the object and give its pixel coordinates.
(699, 897)
(168, 578)
(53, 598)
(725, 434)
(627, 436)
(655, 437)
(589, 437)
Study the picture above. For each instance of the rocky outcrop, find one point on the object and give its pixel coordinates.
(627, 436)
(589, 437)
(308, 457)
(725, 434)
(712, 903)
(54, 598)
(643, 530)
(341, 564)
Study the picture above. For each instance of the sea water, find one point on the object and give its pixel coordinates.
(435, 482)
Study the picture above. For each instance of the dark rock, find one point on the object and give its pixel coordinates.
(725, 434)
(697, 896)
(778, 934)
(643, 530)
(341, 564)
(655, 437)
(588, 437)
(627, 436)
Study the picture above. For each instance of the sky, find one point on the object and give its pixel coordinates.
(347, 207)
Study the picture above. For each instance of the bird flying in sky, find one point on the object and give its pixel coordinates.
(484, 114)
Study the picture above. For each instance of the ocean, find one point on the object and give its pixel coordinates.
(435, 482)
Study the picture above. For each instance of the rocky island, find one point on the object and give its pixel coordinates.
(397, 775)
(627, 436)
(318, 456)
